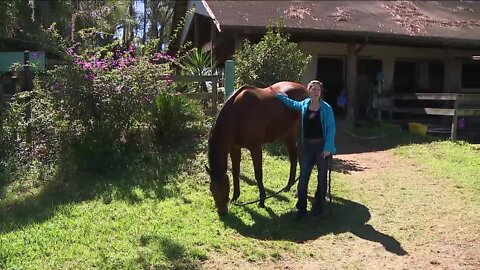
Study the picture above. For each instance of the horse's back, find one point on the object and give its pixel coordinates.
(259, 117)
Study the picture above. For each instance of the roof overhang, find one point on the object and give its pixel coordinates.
(362, 37)
(199, 7)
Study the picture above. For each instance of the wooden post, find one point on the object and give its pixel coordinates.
(238, 42)
(379, 106)
(196, 31)
(453, 132)
(214, 92)
(351, 84)
(213, 35)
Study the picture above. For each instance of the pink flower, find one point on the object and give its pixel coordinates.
(89, 77)
(51, 28)
(148, 98)
(119, 89)
(163, 55)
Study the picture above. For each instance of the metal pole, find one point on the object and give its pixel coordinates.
(229, 78)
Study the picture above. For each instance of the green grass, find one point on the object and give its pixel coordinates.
(163, 217)
(130, 222)
(457, 161)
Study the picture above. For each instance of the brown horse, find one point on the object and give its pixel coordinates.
(251, 117)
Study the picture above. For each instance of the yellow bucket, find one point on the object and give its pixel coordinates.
(418, 128)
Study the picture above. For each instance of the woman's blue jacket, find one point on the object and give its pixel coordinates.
(327, 119)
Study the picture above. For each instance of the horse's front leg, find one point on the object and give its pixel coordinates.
(293, 156)
(256, 152)
(235, 156)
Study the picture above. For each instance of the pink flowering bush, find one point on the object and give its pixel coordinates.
(98, 108)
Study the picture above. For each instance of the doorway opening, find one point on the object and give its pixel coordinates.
(330, 71)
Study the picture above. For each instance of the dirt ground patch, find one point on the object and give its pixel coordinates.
(415, 221)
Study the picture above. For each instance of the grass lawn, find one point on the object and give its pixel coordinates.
(161, 216)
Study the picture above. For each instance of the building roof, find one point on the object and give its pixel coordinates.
(455, 22)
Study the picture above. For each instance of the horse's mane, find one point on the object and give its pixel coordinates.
(211, 140)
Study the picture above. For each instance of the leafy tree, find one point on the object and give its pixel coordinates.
(24, 20)
(8, 13)
(161, 12)
(273, 59)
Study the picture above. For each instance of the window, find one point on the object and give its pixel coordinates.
(471, 75)
(405, 76)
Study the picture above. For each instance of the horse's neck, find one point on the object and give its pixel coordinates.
(221, 135)
(218, 153)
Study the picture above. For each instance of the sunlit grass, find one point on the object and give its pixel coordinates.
(167, 220)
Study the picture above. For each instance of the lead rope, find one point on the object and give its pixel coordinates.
(330, 163)
(329, 183)
(269, 196)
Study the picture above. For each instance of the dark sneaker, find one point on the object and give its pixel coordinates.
(300, 215)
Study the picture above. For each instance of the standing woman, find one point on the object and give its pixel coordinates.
(317, 138)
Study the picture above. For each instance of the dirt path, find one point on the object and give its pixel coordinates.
(415, 221)
(434, 228)
(421, 227)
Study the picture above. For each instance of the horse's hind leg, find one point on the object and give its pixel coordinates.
(293, 156)
(256, 152)
(235, 156)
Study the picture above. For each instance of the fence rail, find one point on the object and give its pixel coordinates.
(212, 96)
(454, 112)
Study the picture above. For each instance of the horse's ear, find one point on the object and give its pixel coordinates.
(207, 169)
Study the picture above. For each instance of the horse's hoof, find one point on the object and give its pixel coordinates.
(287, 188)
(235, 198)
(261, 204)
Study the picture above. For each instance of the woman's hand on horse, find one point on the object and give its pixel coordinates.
(325, 154)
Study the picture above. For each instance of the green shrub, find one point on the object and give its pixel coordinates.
(93, 112)
(273, 59)
(195, 62)
(173, 117)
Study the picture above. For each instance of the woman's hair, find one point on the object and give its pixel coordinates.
(311, 83)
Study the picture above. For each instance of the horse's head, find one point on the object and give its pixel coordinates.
(220, 188)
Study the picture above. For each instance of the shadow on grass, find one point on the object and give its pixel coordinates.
(149, 175)
(273, 193)
(175, 254)
(249, 181)
(347, 216)
(346, 166)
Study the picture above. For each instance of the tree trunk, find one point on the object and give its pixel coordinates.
(164, 23)
(144, 39)
(73, 22)
(154, 7)
(132, 27)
